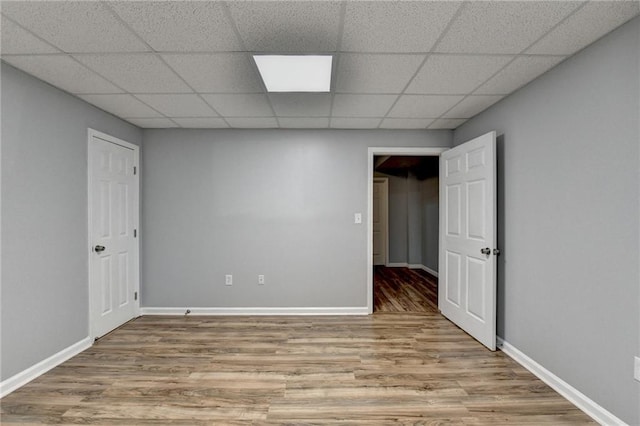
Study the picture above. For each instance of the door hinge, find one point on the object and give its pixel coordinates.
(135, 296)
(135, 233)
(135, 170)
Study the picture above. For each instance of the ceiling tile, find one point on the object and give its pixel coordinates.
(354, 123)
(472, 105)
(387, 42)
(125, 106)
(137, 73)
(518, 73)
(74, 26)
(180, 26)
(217, 73)
(304, 122)
(405, 123)
(502, 26)
(152, 123)
(238, 105)
(447, 123)
(252, 122)
(375, 73)
(301, 104)
(178, 105)
(362, 105)
(18, 40)
(395, 26)
(63, 72)
(201, 123)
(455, 74)
(587, 25)
(287, 26)
(423, 106)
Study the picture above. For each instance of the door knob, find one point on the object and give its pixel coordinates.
(485, 250)
(99, 249)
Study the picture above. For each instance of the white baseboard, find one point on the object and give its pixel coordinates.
(577, 398)
(256, 311)
(412, 266)
(12, 383)
(427, 269)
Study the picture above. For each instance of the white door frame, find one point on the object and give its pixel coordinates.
(373, 151)
(136, 218)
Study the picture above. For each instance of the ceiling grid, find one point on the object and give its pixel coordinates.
(397, 65)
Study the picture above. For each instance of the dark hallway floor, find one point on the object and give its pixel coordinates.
(404, 290)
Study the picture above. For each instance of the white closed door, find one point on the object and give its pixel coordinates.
(468, 227)
(114, 264)
(380, 220)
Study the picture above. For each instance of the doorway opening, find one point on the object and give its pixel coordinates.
(405, 233)
(402, 261)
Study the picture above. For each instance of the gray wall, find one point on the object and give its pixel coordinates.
(413, 220)
(568, 228)
(44, 306)
(430, 221)
(272, 202)
(398, 231)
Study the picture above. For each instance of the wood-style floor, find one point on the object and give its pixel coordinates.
(404, 290)
(387, 368)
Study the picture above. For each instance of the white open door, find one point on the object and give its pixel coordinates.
(113, 217)
(467, 264)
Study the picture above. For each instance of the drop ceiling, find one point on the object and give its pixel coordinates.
(397, 65)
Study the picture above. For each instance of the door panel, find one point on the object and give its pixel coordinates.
(105, 282)
(452, 165)
(452, 284)
(123, 209)
(453, 210)
(124, 289)
(476, 287)
(467, 288)
(476, 210)
(114, 194)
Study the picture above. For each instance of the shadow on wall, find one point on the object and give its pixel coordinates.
(500, 146)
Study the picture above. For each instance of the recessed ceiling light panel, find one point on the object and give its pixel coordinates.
(295, 73)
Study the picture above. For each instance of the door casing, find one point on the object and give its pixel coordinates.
(136, 218)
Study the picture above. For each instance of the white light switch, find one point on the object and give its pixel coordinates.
(260, 279)
(228, 280)
(357, 218)
(636, 368)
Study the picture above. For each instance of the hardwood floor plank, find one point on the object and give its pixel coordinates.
(404, 290)
(374, 408)
(413, 368)
(167, 412)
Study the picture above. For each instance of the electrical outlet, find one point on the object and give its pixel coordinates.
(228, 280)
(260, 279)
(357, 218)
(636, 368)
